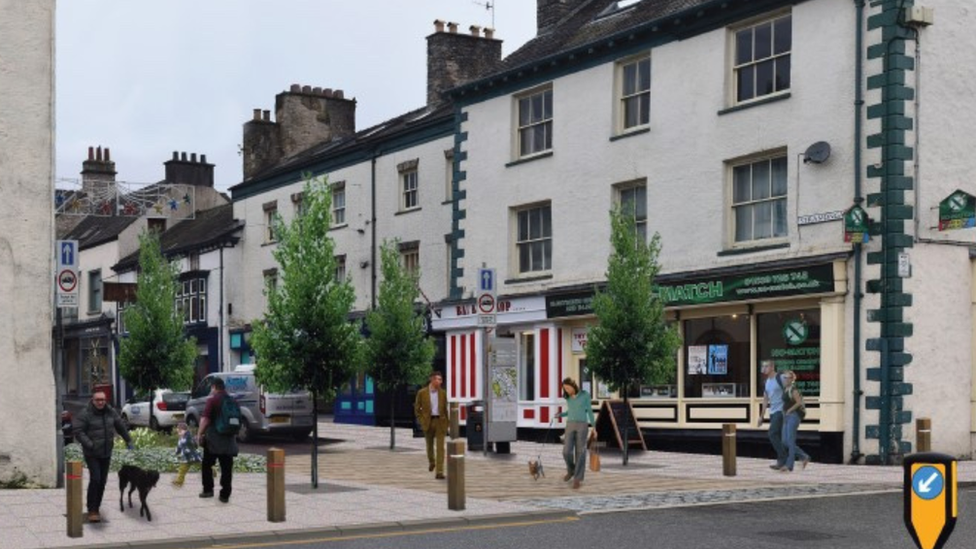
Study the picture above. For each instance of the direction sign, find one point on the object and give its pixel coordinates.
(930, 500)
(65, 276)
(485, 298)
(67, 253)
(486, 281)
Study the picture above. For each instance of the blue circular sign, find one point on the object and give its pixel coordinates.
(928, 483)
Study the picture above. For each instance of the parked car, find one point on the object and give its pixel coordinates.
(169, 410)
(264, 413)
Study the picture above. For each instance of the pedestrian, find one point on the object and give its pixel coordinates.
(579, 414)
(217, 447)
(430, 407)
(793, 413)
(773, 401)
(95, 427)
(186, 451)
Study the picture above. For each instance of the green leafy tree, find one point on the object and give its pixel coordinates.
(156, 354)
(306, 340)
(398, 351)
(632, 344)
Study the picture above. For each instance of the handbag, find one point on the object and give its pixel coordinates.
(595, 460)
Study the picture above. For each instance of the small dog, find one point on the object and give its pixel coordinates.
(535, 469)
(138, 479)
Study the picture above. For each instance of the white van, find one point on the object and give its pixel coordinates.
(264, 413)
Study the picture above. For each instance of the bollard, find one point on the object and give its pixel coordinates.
(455, 475)
(455, 429)
(923, 434)
(276, 485)
(73, 490)
(728, 449)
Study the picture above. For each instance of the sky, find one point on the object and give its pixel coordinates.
(146, 78)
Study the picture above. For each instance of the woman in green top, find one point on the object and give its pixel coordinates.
(579, 411)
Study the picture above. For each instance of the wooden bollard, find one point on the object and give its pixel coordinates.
(455, 475)
(455, 428)
(728, 449)
(73, 490)
(923, 434)
(276, 485)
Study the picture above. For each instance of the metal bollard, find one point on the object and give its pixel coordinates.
(455, 429)
(455, 475)
(923, 434)
(728, 449)
(276, 485)
(73, 490)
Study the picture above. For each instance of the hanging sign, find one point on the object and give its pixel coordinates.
(856, 225)
(957, 211)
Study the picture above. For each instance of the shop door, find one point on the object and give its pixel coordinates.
(355, 402)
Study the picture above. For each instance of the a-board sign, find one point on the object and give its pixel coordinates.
(614, 415)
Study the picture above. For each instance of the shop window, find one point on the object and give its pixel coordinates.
(717, 354)
(592, 384)
(791, 339)
(527, 367)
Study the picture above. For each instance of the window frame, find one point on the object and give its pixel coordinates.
(734, 67)
(406, 176)
(731, 204)
(341, 274)
(94, 291)
(518, 127)
(516, 261)
(410, 253)
(618, 198)
(620, 99)
(190, 300)
(338, 189)
(270, 213)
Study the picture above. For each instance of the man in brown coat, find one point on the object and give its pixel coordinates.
(430, 407)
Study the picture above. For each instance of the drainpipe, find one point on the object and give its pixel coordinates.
(372, 223)
(220, 333)
(858, 198)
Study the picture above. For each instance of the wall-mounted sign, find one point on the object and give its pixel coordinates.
(579, 339)
(820, 218)
(856, 223)
(569, 304)
(957, 211)
(781, 282)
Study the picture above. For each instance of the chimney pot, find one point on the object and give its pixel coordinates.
(438, 25)
(317, 91)
(452, 27)
(295, 88)
(203, 159)
(338, 94)
(489, 33)
(91, 153)
(183, 156)
(98, 154)
(306, 89)
(106, 154)
(475, 30)
(193, 157)
(176, 155)
(257, 114)
(267, 116)
(327, 92)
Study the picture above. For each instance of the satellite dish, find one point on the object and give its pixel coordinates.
(817, 153)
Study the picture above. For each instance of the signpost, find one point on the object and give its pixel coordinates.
(930, 498)
(485, 309)
(66, 273)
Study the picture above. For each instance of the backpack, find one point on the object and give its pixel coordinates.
(229, 420)
(788, 398)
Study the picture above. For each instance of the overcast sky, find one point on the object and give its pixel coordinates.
(146, 78)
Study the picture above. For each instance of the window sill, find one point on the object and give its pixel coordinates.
(411, 210)
(630, 133)
(340, 226)
(755, 103)
(535, 278)
(752, 249)
(525, 159)
(272, 243)
(447, 202)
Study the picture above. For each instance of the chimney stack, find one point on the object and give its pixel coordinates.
(189, 172)
(97, 171)
(453, 59)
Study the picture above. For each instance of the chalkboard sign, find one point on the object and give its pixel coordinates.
(614, 414)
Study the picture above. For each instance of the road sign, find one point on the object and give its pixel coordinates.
(486, 304)
(67, 254)
(487, 321)
(485, 298)
(486, 281)
(67, 288)
(66, 276)
(930, 500)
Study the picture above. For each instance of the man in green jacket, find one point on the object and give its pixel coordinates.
(94, 428)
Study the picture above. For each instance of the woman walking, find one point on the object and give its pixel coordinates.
(793, 413)
(579, 412)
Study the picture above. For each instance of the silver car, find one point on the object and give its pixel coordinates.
(287, 414)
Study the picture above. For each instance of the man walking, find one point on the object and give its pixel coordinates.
(95, 429)
(430, 407)
(773, 401)
(217, 447)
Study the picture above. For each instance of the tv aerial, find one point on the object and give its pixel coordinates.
(490, 6)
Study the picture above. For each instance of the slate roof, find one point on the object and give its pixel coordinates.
(94, 230)
(208, 229)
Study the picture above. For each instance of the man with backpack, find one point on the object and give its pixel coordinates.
(773, 401)
(217, 436)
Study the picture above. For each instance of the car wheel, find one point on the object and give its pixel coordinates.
(154, 423)
(301, 437)
(244, 435)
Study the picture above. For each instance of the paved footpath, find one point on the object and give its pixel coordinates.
(366, 488)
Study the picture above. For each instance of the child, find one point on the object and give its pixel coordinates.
(187, 451)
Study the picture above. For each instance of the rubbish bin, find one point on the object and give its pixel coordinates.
(475, 429)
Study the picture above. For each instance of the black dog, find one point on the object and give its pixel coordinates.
(141, 480)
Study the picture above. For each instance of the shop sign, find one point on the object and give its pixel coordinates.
(856, 223)
(569, 304)
(579, 339)
(957, 211)
(778, 283)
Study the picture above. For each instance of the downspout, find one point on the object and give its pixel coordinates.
(220, 333)
(858, 199)
(372, 223)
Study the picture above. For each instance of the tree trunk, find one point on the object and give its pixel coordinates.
(393, 420)
(626, 423)
(315, 441)
(152, 405)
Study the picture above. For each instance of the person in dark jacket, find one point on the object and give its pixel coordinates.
(94, 428)
(216, 447)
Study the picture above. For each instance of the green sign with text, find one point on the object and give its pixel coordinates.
(957, 211)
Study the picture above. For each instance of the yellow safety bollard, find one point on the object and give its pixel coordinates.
(73, 489)
(455, 475)
(728, 449)
(276, 485)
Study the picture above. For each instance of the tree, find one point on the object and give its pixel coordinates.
(306, 339)
(156, 354)
(632, 342)
(398, 351)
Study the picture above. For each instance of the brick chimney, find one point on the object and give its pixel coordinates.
(550, 12)
(189, 171)
(304, 117)
(453, 58)
(98, 168)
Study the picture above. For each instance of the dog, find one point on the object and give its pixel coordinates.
(535, 469)
(137, 479)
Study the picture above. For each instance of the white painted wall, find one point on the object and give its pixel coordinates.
(31, 423)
